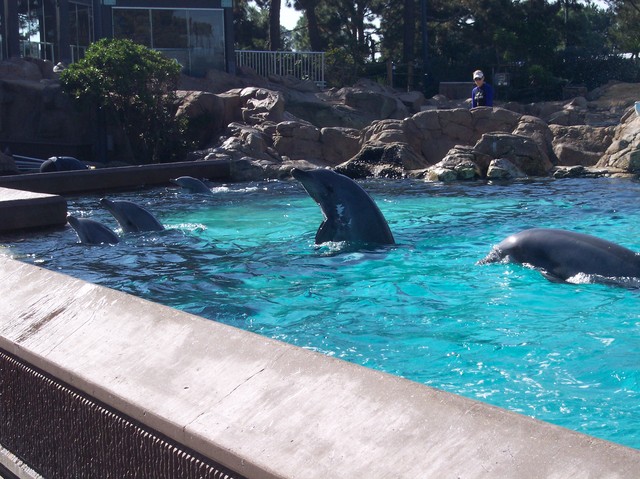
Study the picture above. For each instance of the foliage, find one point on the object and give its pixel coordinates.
(341, 68)
(138, 85)
(251, 26)
(541, 44)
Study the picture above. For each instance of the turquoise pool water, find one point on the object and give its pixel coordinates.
(423, 309)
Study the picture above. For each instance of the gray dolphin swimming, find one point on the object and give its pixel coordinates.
(349, 212)
(91, 231)
(132, 218)
(192, 184)
(561, 254)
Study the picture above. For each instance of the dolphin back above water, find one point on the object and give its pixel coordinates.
(192, 184)
(132, 218)
(350, 214)
(561, 254)
(92, 232)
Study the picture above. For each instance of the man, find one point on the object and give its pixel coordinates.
(482, 94)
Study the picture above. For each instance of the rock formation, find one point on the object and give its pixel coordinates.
(268, 125)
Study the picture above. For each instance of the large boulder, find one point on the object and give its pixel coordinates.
(624, 151)
(536, 129)
(339, 144)
(503, 169)
(461, 163)
(523, 152)
(21, 69)
(38, 111)
(486, 120)
(581, 145)
(297, 140)
(260, 105)
(207, 114)
(388, 160)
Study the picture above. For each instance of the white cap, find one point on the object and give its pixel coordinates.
(478, 75)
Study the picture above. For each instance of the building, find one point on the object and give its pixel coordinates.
(197, 33)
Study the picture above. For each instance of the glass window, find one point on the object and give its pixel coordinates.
(195, 38)
(134, 24)
(80, 29)
(169, 28)
(206, 40)
(36, 26)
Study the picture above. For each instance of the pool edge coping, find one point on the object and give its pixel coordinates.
(269, 409)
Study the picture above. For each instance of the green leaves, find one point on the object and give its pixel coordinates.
(138, 84)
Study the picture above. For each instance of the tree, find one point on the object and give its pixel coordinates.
(625, 28)
(136, 84)
(275, 41)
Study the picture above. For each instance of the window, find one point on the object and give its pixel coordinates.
(36, 24)
(194, 37)
(80, 28)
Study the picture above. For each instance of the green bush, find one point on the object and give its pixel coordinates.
(136, 84)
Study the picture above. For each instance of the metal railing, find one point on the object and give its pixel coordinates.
(301, 65)
(44, 50)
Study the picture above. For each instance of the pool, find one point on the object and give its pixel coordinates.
(422, 309)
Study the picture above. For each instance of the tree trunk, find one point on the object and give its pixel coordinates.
(409, 37)
(274, 25)
(315, 41)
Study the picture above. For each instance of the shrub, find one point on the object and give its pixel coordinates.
(136, 84)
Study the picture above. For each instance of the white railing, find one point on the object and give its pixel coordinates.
(301, 65)
(43, 50)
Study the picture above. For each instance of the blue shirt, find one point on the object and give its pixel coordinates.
(482, 96)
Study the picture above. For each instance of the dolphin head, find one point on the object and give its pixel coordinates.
(131, 217)
(91, 231)
(349, 212)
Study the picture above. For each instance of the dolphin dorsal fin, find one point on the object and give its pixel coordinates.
(326, 232)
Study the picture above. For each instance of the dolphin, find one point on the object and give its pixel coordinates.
(132, 218)
(192, 184)
(349, 212)
(91, 231)
(561, 254)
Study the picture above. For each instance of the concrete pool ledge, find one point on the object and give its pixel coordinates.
(124, 177)
(259, 407)
(27, 210)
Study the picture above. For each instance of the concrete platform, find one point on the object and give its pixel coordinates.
(267, 409)
(102, 179)
(20, 210)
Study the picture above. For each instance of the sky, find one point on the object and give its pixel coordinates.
(288, 17)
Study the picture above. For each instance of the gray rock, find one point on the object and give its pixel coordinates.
(503, 169)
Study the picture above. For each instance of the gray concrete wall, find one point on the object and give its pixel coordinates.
(100, 179)
(25, 210)
(265, 409)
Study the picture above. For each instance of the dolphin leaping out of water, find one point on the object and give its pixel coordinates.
(92, 232)
(561, 254)
(349, 212)
(192, 184)
(132, 218)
